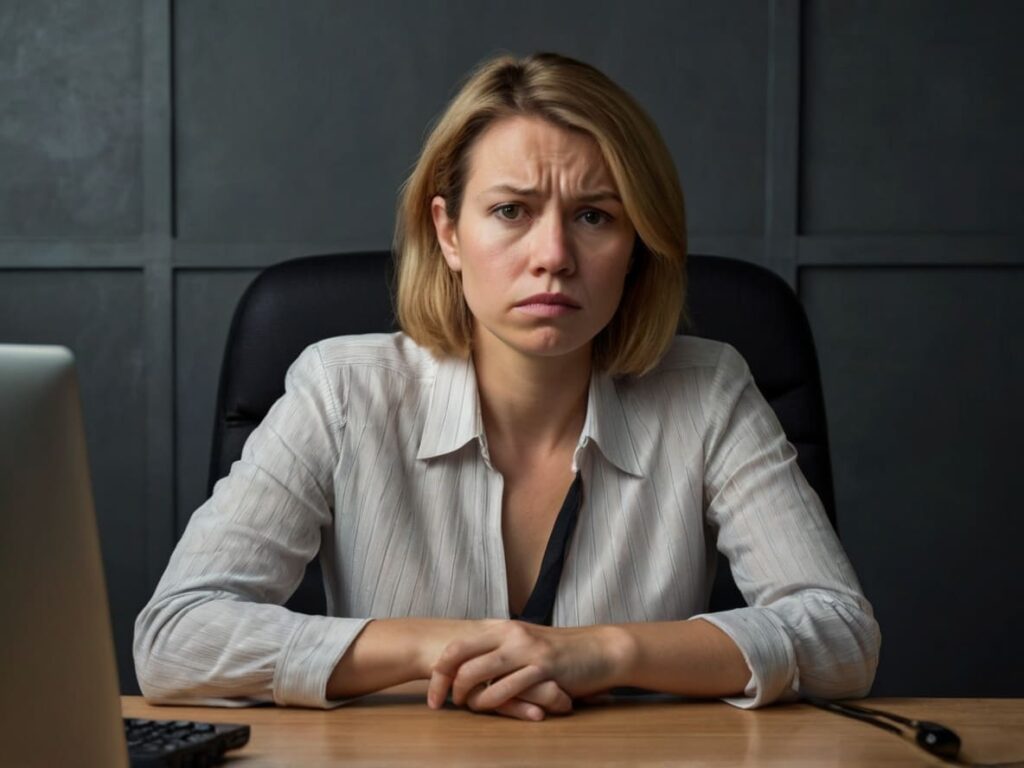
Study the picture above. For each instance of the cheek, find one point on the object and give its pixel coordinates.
(609, 298)
(611, 277)
(485, 275)
(489, 260)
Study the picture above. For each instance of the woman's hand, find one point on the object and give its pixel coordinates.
(533, 703)
(510, 661)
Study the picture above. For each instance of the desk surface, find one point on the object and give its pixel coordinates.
(397, 728)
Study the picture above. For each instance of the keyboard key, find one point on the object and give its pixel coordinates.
(180, 743)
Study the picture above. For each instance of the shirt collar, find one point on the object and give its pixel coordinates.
(453, 417)
(607, 427)
(453, 413)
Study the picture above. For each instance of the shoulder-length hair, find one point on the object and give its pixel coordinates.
(430, 305)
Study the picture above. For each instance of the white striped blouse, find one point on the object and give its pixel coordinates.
(376, 456)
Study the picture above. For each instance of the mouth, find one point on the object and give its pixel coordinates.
(550, 300)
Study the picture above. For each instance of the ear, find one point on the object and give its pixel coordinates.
(447, 237)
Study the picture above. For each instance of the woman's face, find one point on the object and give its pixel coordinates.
(542, 241)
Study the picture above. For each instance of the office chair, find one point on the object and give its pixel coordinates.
(295, 303)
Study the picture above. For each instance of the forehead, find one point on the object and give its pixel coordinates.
(528, 149)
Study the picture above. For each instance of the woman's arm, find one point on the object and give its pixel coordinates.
(215, 631)
(688, 658)
(808, 627)
(393, 651)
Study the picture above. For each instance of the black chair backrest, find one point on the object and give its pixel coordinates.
(295, 303)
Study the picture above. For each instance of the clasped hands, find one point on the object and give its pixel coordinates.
(524, 670)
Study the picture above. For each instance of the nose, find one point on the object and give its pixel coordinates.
(553, 250)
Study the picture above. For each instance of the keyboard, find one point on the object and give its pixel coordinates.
(180, 743)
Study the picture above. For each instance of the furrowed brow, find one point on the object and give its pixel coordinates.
(512, 190)
(598, 196)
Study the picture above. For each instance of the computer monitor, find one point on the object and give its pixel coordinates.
(59, 696)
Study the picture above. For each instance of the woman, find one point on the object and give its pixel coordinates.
(517, 497)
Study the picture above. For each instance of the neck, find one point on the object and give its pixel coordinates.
(532, 407)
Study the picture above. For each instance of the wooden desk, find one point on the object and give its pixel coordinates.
(397, 728)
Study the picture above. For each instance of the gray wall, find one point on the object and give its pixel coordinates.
(154, 156)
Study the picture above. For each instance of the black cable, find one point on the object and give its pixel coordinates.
(934, 738)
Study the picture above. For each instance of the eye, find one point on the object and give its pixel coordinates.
(509, 211)
(594, 217)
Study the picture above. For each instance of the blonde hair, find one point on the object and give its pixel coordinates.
(430, 305)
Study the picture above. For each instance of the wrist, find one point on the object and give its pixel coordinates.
(620, 649)
(435, 635)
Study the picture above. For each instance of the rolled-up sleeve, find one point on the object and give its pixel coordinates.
(215, 631)
(808, 629)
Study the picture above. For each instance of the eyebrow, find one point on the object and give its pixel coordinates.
(590, 197)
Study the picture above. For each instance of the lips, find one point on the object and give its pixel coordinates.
(558, 299)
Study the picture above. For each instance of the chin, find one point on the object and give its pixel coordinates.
(541, 341)
(551, 345)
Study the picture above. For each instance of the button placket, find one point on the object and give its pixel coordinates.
(495, 543)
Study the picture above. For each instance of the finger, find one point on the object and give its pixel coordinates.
(521, 710)
(437, 690)
(502, 690)
(460, 651)
(549, 696)
(480, 671)
(452, 658)
(499, 664)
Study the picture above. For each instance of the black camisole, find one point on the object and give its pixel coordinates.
(540, 606)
